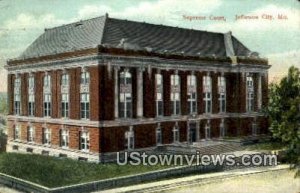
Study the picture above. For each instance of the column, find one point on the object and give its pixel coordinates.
(259, 94)
(140, 92)
(116, 91)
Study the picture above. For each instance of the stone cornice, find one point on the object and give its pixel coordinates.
(136, 61)
(128, 122)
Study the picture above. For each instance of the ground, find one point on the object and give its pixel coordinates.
(281, 181)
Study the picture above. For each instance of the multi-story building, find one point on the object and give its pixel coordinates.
(92, 88)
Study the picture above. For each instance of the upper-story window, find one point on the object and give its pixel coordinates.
(159, 95)
(47, 95)
(85, 78)
(175, 94)
(222, 94)
(192, 94)
(46, 136)
(250, 94)
(17, 96)
(125, 96)
(207, 94)
(84, 96)
(85, 141)
(64, 138)
(30, 134)
(65, 96)
(31, 97)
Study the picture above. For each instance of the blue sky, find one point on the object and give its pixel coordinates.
(22, 21)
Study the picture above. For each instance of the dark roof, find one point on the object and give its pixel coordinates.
(126, 34)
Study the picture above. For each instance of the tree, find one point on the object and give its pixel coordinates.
(3, 104)
(284, 113)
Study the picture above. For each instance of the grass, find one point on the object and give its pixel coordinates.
(54, 172)
(266, 146)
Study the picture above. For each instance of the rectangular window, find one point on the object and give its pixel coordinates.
(192, 94)
(46, 136)
(85, 141)
(85, 105)
(64, 138)
(31, 97)
(250, 94)
(125, 96)
(222, 94)
(176, 134)
(17, 132)
(159, 95)
(207, 94)
(47, 95)
(47, 105)
(129, 139)
(17, 96)
(175, 94)
(30, 134)
(65, 105)
(85, 78)
(158, 136)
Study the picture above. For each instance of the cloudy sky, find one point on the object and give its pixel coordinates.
(22, 21)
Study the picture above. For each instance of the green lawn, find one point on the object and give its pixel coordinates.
(55, 172)
(266, 146)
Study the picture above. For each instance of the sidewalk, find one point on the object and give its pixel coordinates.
(194, 180)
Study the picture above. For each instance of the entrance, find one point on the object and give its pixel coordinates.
(192, 132)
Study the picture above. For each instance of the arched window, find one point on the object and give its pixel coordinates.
(46, 136)
(85, 141)
(17, 132)
(64, 138)
(125, 96)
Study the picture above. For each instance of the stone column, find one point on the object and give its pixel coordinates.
(259, 93)
(140, 92)
(116, 91)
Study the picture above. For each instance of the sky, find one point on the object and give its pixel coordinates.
(22, 21)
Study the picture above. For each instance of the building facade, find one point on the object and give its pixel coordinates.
(89, 89)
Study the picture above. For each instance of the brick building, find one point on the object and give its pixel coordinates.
(92, 88)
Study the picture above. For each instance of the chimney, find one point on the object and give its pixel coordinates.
(228, 44)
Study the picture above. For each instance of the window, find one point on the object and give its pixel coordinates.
(250, 94)
(46, 136)
(254, 128)
(17, 132)
(125, 98)
(222, 129)
(30, 134)
(176, 133)
(85, 78)
(84, 97)
(47, 105)
(175, 94)
(65, 96)
(222, 94)
(64, 138)
(47, 95)
(85, 105)
(31, 98)
(129, 139)
(17, 96)
(158, 135)
(192, 94)
(85, 141)
(192, 132)
(159, 95)
(207, 94)
(207, 130)
(65, 80)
